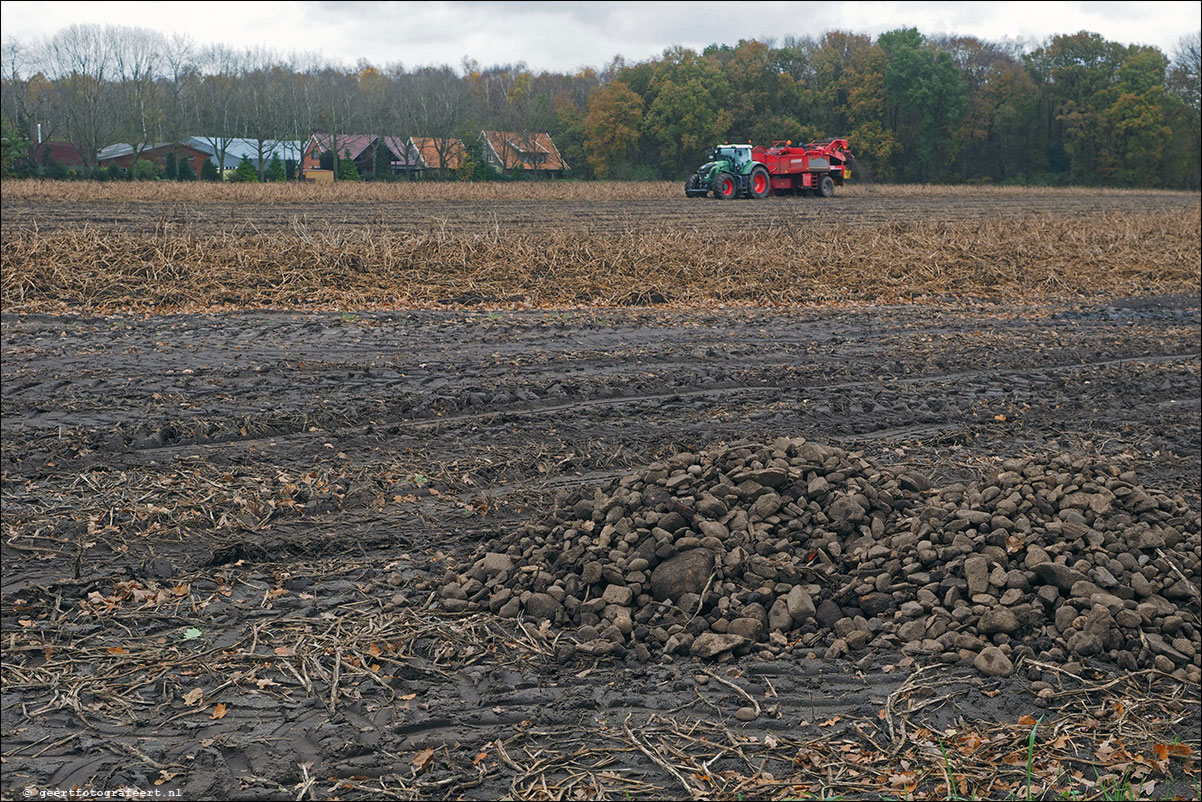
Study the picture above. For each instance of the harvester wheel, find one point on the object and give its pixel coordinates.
(758, 183)
(725, 186)
(826, 187)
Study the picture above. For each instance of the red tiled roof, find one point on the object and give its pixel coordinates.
(430, 149)
(530, 151)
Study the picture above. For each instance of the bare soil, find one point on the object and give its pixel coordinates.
(223, 535)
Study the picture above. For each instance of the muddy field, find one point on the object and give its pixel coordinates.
(223, 536)
(236, 533)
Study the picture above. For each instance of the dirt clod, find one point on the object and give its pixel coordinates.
(979, 572)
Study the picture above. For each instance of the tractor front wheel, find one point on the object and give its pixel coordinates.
(826, 187)
(725, 186)
(758, 183)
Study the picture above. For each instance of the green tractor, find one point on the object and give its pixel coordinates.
(731, 172)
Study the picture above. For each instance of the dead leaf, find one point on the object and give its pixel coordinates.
(115, 649)
(969, 742)
(1027, 721)
(830, 722)
(219, 711)
(407, 697)
(193, 697)
(1000, 418)
(166, 776)
(1165, 751)
(422, 759)
(476, 760)
(283, 651)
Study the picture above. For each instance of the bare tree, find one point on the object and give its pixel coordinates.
(337, 111)
(261, 106)
(181, 75)
(138, 54)
(81, 62)
(1184, 76)
(397, 118)
(442, 104)
(221, 67)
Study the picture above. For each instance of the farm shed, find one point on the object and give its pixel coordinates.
(122, 155)
(61, 153)
(534, 153)
(235, 148)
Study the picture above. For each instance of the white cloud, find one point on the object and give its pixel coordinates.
(564, 36)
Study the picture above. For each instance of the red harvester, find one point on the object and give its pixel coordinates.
(781, 168)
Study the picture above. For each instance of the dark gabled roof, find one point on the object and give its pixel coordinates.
(400, 148)
(355, 144)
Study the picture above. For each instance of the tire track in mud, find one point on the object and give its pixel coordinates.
(503, 416)
(339, 560)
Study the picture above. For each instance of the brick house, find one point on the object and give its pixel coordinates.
(533, 153)
(393, 151)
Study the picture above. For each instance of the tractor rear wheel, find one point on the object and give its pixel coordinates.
(758, 183)
(725, 186)
(826, 187)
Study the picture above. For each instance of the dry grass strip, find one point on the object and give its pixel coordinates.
(1118, 253)
(401, 191)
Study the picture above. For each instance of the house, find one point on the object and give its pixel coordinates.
(534, 153)
(438, 154)
(319, 150)
(365, 151)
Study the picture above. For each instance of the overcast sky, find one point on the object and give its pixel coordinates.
(566, 36)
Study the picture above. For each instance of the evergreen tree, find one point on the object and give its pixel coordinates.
(347, 171)
(275, 170)
(184, 171)
(145, 170)
(14, 149)
(208, 171)
(170, 169)
(246, 172)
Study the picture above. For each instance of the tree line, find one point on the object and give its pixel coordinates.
(1077, 109)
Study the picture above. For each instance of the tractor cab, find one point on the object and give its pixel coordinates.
(739, 156)
(729, 166)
